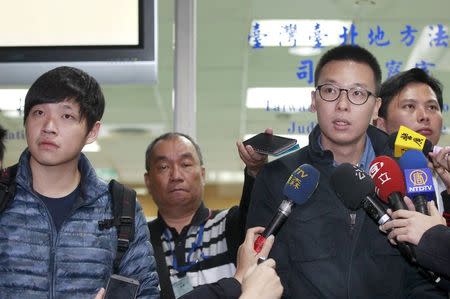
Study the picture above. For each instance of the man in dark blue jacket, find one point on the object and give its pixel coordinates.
(324, 250)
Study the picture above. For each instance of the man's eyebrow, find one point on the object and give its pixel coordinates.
(159, 158)
(187, 155)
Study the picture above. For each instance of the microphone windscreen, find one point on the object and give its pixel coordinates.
(413, 159)
(391, 140)
(418, 177)
(387, 176)
(351, 184)
(408, 139)
(428, 147)
(301, 184)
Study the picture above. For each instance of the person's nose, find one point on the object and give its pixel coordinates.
(343, 103)
(423, 115)
(49, 126)
(175, 174)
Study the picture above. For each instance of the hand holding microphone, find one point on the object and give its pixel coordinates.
(409, 226)
(298, 189)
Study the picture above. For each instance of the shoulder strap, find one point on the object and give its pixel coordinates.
(156, 230)
(124, 207)
(7, 186)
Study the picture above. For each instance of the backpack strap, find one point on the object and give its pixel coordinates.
(156, 230)
(7, 186)
(124, 208)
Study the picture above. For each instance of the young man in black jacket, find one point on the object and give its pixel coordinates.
(324, 250)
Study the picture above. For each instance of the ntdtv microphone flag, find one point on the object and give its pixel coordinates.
(418, 178)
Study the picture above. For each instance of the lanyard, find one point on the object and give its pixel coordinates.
(195, 245)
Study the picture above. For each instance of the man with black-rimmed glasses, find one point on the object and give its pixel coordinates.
(325, 250)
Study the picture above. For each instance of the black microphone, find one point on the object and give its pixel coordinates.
(354, 187)
(298, 189)
(360, 195)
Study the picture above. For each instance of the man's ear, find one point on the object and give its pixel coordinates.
(203, 176)
(93, 133)
(313, 101)
(376, 108)
(381, 123)
(147, 182)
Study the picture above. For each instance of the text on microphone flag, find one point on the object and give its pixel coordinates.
(359, 173)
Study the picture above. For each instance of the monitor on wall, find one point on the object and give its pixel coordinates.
(113, 40)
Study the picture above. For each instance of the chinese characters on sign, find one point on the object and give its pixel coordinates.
(315, 34)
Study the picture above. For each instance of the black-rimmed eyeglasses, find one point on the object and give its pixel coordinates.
(356, 95)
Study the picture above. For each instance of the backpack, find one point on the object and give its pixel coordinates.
(123, 206)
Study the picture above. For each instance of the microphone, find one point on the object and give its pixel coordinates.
(418, 178)
(360, 194)
(406, 139)
(298, 189)
(389, 182)
(354, 187)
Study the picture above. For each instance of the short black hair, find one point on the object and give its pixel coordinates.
(68, 83)
(351, 53)
(168, 136)
(3, 132)
(395, 84)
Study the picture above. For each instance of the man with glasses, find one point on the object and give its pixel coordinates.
(325, 250)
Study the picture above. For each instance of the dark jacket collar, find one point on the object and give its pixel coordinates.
(378, 138)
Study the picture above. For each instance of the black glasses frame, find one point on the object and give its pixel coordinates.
(318, 88)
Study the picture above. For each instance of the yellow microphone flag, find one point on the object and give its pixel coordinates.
(407, 139)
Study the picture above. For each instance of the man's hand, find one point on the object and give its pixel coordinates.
(262, 282)
(247, 256)
(440, 162)
(100, 294)
(253, 160)
(409, 226)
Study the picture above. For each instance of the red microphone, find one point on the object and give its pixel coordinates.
(390, 188)
(389, 182)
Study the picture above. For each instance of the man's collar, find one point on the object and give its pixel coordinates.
(201, 215)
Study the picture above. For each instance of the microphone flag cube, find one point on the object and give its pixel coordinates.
(408, 139)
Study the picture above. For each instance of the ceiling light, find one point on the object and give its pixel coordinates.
(92, 147)
(295, 33)
(224, 177)
(12, 101)
(285, 99)
(304, 51)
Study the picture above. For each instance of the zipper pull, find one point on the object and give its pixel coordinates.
(352, 222)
